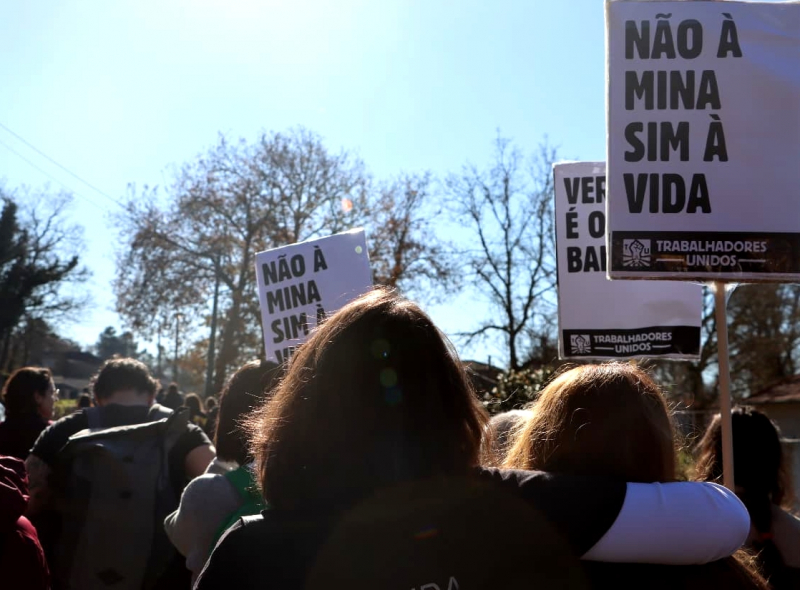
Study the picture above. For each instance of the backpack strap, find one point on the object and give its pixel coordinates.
(158, 412)
(241, 479)
(154, 414)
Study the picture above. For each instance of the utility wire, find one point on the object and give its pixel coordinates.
(64, 168)
(16, 153)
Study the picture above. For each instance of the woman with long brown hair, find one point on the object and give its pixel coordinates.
(612, 420)
(368, 457)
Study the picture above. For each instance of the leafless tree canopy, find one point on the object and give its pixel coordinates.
(405, 250)
(508, 212)
(241, 198)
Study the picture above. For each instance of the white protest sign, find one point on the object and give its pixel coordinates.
(598, 318)
(703, 140)
(300, 284)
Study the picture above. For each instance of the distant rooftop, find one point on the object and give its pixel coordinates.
(782, 392)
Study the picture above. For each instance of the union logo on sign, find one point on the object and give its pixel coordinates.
(636, 252)
(580, 343)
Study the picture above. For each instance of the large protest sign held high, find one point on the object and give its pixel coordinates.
(299, 285)
(598, 318)
(703, 140)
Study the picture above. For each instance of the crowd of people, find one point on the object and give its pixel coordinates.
(369, 462)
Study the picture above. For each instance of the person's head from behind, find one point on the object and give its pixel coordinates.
(123, 380)
(248, 388)
(173, 398)
(499, 434)
(608, 420)
(192, 401)
(759, 469)
(30, 391)
(377, 395)
(84, 401)
(211, 403)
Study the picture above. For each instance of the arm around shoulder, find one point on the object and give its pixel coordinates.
(679, 523)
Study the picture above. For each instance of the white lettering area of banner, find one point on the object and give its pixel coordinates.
(300, 284)
(602, 319)
(703, 104)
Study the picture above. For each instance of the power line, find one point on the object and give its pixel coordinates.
(64, 168)
(50, 176)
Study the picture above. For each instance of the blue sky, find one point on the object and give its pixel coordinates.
(120, 92)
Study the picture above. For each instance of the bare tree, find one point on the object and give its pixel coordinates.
(224, 207)
(764, 346)
(239, 199)
(508, 211)
(405, 251)
(764, 334)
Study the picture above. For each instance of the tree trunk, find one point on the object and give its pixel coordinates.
(6, 344)
(227, 352)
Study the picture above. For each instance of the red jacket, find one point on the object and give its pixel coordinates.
(22, 561)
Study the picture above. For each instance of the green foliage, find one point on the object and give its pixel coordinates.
(111, 344)
(517, 388)
(684, 467)
(64, 407)
(37, 258)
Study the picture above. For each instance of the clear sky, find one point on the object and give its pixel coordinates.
(120, 92)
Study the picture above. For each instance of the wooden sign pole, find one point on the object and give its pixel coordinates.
(724, 384)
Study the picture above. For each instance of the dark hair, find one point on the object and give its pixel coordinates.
(247, 388)
(18, 391)
(192, 401)
(377, 395)
(608, 420)
(759, 468)
(211, 402)
(173, 398)
(84, 400)
(120, 374)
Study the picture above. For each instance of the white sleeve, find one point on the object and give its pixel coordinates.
(679, 523)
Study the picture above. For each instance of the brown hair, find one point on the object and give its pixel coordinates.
(192, 401)
(612, 420)
(19, 389)
(247, 388)
(122, 373)
(499, 435)
(376, 396)
(607, 420)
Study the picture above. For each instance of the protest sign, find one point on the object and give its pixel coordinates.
(299, 285)
(598, 318)
(703, 140)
